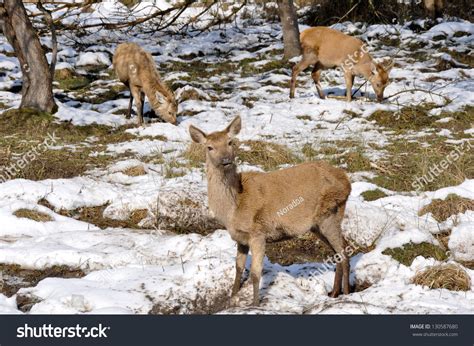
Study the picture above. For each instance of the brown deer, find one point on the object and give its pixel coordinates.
(260, 207)
(327, 48)
(136, 69)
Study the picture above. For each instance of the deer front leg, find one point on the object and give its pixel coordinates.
(257, 246)
(294, 73)
(130, 104)
(349, 82)
(242, 252)
(137, 95)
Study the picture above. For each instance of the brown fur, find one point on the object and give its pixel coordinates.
(252, 205)
(434, 8)
(327, 48)
(136, 69)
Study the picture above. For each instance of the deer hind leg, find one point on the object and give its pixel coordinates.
(331, 230)
(316, 74)
(242, 252)
(257, 247)
(302, 65)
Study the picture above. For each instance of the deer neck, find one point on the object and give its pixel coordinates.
(223, 187)
(364, 66)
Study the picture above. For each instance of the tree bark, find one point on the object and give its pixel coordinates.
(37, 89)
(291, 33)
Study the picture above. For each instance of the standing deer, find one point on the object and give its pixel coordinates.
(136, 69)
(255, 207)
(327, 48)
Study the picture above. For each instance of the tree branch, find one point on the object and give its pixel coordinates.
(49, 21)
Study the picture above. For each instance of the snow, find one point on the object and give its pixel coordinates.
(93, 58)
(8, 305)
(155, 270)
(461, 241)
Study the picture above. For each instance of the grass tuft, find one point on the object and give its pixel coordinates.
(443, 209)
(135, 171)
(267, 155)
(448, 276)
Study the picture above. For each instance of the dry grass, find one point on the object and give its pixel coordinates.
(267, 155)
(443, 209)
(408, 161)
(195, 155)
(33, 215)
(16, 277)
(135, 171)
(303, 249)
(95, 216)
(448, 276)
(23, 130)
(407, 118)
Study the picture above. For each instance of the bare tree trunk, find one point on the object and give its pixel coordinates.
(291, 33)
(37, 89)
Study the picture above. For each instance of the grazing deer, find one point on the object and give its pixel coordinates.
(327, 48)
(136, 69)
(260, 207)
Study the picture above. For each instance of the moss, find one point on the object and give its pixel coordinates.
(74, 82)
(408, 252)
(372, 195)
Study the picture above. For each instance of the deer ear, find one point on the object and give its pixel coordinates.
(234, 127)
(160, 97)
(197, 135)
(387, 64)
(373, 68)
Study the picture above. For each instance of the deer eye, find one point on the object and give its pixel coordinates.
(230, 142)
(210, 148)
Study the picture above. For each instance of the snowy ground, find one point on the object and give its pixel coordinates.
(155, 270)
